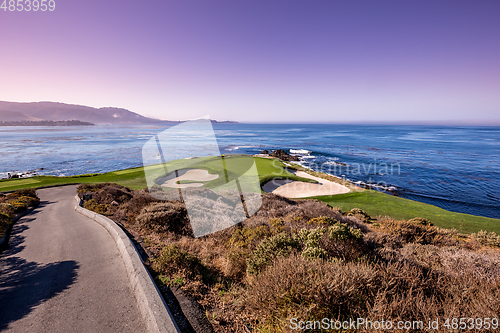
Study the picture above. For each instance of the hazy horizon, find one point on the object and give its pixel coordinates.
(262, 62)
(437, 122)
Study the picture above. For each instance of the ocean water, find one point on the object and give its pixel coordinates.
(456, 168)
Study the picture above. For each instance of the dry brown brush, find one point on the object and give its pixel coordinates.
(303, 259)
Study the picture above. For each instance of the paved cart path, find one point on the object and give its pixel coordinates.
(62, 273)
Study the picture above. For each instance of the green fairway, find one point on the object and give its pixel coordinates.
(376, 203)
(135, 178)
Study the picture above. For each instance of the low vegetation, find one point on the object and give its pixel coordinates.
(13, 204)
(305, 259)
(377, 203)
(134, 178)
(372, 202)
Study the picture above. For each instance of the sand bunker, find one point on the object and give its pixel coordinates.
(295, 189)
(194, 175)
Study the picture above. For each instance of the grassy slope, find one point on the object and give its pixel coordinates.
(134, 178)
(374, 203)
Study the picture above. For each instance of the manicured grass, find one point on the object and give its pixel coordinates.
(134, 178)
(19, 182)
(230, 168)
(270, 169)
(180, 182)
(376, 203)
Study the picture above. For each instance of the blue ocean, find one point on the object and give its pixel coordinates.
(455, 168)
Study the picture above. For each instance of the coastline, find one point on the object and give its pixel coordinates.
(435, 165)
(374, 202)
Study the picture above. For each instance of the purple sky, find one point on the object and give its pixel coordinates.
(260, 61)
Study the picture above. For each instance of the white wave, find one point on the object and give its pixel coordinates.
(332, 163)
(379, 186)
(238, 134)
(308, 156)
(238, 147)
(300, 151)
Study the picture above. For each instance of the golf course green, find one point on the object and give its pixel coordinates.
(373, 202)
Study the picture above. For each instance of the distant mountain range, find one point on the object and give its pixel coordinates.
(43, 111)
(46, 123)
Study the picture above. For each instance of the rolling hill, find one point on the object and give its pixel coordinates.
(37, 111)
(15, 116)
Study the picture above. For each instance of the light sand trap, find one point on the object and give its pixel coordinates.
(199, 175)
(296, 189)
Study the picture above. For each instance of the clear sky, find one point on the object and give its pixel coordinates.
(260, 61)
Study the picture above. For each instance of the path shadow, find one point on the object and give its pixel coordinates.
(26, 284)
(42, 204)
(14, 236)
(15, 240)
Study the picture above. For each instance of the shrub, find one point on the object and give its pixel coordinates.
(322, 220)
(401, 290)
(105, 193)
(29, 192)
(96, 207)
(279, 245)
(174, 261)
(129, 210)
(28, 200)
(314, 253)
(485, 238)
(7, 209)
(165, 216)
(461, 262)
(275, 206)
(18, 206)
(311, 240)
(277, 225)
(408, 232)
(236, 263)
(310, 209)
(341, 231)
(412, 292)
(108, 194)
(5, 220)
(311, 237)
(245, 237)
(420, 221)
(359, 214)
(344, 242)
(300, 288)
(85, 188)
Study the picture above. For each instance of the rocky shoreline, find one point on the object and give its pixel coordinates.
(281, 154)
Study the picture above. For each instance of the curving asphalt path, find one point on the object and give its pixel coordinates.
(62, 273)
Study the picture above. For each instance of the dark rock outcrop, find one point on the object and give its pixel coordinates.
(283, 155)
